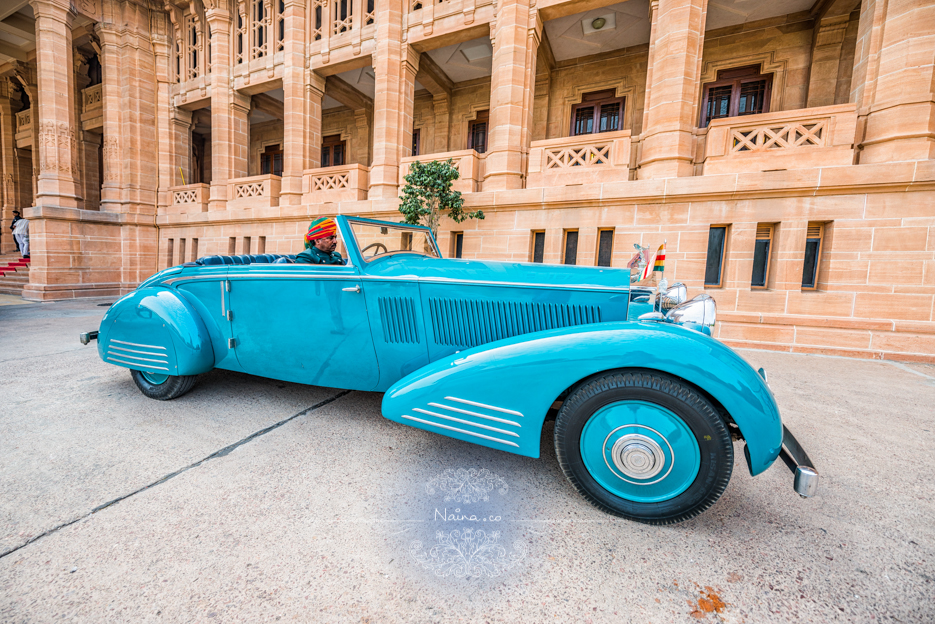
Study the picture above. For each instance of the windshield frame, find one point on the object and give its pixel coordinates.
(396, 226)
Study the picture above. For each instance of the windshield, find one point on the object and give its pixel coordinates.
(375, 240)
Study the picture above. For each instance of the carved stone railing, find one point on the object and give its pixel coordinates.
(335, 184)
(428, 12)
(586, 159)
(260, 191)
(24, 128)
(91, 98)
(189, 198)
(797, 139)
(469, 163)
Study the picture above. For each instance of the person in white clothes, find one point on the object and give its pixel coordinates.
(21, 234)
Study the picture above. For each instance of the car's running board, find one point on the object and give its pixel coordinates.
(795, 457)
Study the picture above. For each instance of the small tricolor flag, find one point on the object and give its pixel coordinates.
(658, 263)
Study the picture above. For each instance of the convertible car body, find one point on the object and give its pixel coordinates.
(647, 404)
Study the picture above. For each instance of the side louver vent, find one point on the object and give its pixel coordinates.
(398, 316)
(470, 322)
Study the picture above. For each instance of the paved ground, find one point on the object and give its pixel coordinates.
(332, 516)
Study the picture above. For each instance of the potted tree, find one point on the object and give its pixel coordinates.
(428, 195)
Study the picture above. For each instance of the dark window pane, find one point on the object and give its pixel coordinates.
(479, 137)
(610, 118)
(584, 120)
(538, 247)
(810, 270)
(459, 244)
(338, 155)
(277, 164)
(760, 262)
(264, 164)
(752, 97)
(325, 156)
(712, 271)
(718, 102)
(605, 248)
(415, 142)
(571, 247)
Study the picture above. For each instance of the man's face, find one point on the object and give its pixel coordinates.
(327, 244)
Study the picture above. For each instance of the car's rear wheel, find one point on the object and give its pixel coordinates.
(644, 446)
(162, 387)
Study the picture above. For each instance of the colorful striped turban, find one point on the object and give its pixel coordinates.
(322, 227)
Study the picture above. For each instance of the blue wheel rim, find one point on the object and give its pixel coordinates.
(640, 451)
(155, 378)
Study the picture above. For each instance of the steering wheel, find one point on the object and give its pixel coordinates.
(374, 245)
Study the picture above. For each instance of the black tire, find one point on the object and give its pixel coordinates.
(696, 412)
(171, 388)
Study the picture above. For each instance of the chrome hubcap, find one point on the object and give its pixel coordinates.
(638, 456)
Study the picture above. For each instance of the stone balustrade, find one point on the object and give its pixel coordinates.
(797, 139)
(91, 98)
(470, 166)
(260, 191)
(24, 128)
(335, 184)
(585, 159)
(427, 12)
(190, 198)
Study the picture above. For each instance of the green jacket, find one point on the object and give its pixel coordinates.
(316, 256)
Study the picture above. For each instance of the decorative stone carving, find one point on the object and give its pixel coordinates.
(111, 159)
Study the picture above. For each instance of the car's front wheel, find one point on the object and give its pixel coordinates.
(162, 387)
(644, 446)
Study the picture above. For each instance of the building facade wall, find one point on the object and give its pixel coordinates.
(830, 153)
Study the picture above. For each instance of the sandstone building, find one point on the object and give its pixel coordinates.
(784, 150)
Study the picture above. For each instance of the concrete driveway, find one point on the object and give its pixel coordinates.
(251, 500)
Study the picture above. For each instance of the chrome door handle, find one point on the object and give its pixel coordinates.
(352, 289)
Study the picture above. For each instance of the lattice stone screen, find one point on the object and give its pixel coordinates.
(253, 189)
(331, 182)
(185, 197)
(578, 156)
(790, 135)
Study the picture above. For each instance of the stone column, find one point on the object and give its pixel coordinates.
(826, 59)
(161, 37)
(295, 118)
(515, 38)
(362, 147)
(441, 107)
(111, 101)
(893, 78)
(222, 146)
(55, 109)
(390, 61)
(672, 88)
(8, 167)
(314, 92)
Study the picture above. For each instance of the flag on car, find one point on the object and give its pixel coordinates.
(658, 263)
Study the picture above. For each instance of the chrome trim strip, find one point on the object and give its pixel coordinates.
(133, 357)
(112, 359)
(223, 295)
(465, 422)
(135, 351)
(491, 407)
(133, 344)
(411, 278)
(470, 433)
(455, 409)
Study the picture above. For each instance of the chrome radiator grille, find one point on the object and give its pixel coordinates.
(472, 322)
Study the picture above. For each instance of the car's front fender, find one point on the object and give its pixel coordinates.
(497, 395)
(156, 330)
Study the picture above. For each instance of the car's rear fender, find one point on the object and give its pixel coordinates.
(158, 331)
(497, 395)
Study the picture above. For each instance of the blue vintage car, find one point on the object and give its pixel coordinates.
(647, 404)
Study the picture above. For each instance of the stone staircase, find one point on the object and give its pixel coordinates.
(14, 274)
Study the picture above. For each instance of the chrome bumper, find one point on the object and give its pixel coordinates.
(795, 457)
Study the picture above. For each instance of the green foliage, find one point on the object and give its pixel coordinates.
(428, 194)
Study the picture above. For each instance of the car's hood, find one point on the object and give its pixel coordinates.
(551, 275)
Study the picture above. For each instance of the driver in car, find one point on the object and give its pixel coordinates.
(320, 242)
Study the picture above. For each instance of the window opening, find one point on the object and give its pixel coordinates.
(571, 247)
(332, 151)
(477, 132)
(271, 160)
(538, 246)
(736, 92)
(605, 247)
(813, 242)
(415, 142)
(599, 111)
(457, 244)
(761, 249)
(714, 265)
